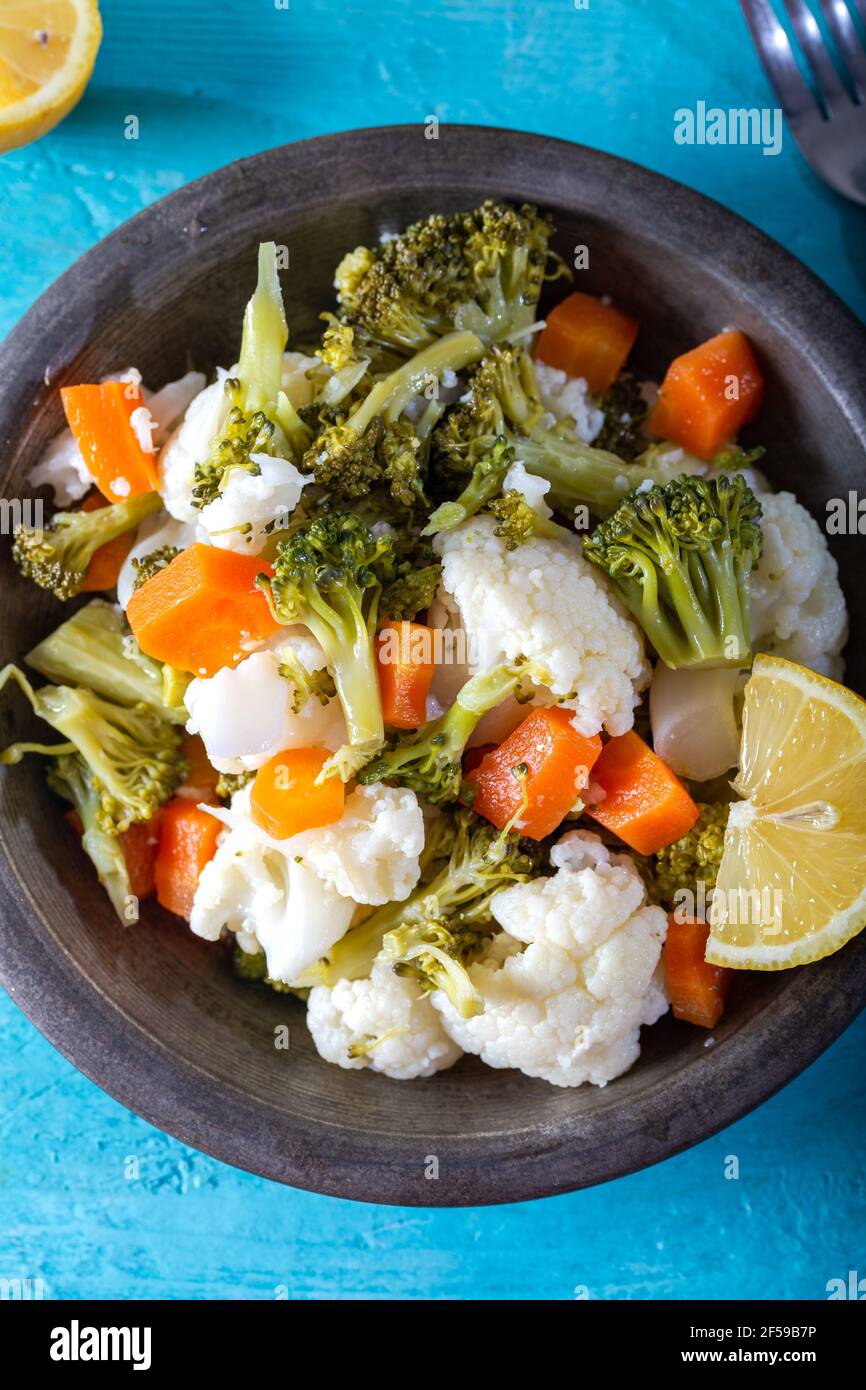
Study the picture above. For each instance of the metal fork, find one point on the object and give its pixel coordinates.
(831, 132)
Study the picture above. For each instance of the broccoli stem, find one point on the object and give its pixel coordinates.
(265, 335)
(352, 663)
(390, 397)
(580, 475)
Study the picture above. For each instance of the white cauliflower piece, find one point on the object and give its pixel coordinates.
(63, 469)
(569, 398)
(797, 607)
(190, 444)
(170, 403)
(371, 854)
(244, 715)
(569, 1007)
(250, 503)
(259, 889)
(387, 1018)
(545, 602)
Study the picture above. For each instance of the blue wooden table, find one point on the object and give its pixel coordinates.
(211, 80)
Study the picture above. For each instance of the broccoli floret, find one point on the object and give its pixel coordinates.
(733, 458)
(692, 859)
(411, 592)
(370, 446)
(57, 558)
(133, 755)
(481, 270)
(328, 576)
(625, 411)
(262, 419)
(316, 685)
(152, 563)
(451, 901)
(484, 484)
(70, 777)
(230, 782)
(502, 404)
(680, 557)
(429, 762)
(98, 641)
(517, 521)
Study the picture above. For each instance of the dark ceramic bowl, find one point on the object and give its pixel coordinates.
(153, 1014)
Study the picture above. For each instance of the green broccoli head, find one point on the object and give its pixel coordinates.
(481, 270)
(517, 521)
(369, 445)
(328, 575)
(485, 483)
(70, 778)
(411, 592)
(625, 411)
(680, 557)
(469, 863)
(692, 859)
(57, 558)
(230, 782)
(308, 685)
(133, 755)
(436, 956)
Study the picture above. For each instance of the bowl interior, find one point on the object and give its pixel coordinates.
(154, 1013)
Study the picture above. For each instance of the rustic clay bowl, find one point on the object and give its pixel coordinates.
(152, 1014)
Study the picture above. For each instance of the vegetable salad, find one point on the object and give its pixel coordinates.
(416, 656)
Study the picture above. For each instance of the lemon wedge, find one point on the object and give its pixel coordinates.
(47, 52)
(792, 881)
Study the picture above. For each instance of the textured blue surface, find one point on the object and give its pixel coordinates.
(211, 80)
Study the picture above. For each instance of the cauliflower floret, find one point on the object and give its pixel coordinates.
(251, 503)
(63, 469)
(387, 1019)
(797, 607)
(371, 854)
(545, 602)
(262, 890)
(190, 444)
(244, 715)
(569, 398)
(569, 1007)
(168, 405)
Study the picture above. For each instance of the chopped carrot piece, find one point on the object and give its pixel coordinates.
(554, 761)
(708, 394)
(645, 804)
(697, 990)
(203, 611)
(139, 843)
(140, 847)
(99, 417)
(474, 757)
(107, 561)
(187, 841)
(404, 660)
(285, 798)
(202, 777)
(586, 337)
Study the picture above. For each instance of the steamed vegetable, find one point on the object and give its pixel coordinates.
(680, 557)
(133, 754)
(187, 841)
(59, 556)
(588, 338)
(708, 394)
(697, 990)
(288, 797)
(534, 778)
(644, 803)
(100, 418)
(203, 611)
(404, 659)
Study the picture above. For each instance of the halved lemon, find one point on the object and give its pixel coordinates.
(47, 52)
(792, 882)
